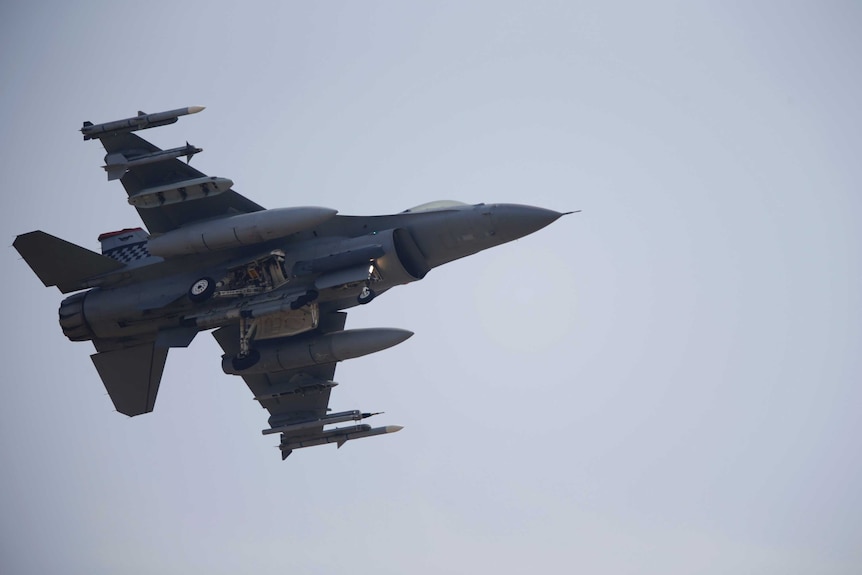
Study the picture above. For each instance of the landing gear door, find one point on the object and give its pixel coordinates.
(287, 323)
(356, 274)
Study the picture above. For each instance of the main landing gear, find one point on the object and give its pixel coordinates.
(202, 289)
(257, 276)
(248, 327)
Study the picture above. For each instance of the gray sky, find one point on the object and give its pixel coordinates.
(665, 383)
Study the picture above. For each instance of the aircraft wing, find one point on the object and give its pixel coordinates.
(290, 396)
(161, 217)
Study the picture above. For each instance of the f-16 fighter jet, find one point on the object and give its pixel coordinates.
(273, 283)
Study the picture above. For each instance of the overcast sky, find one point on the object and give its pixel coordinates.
(666, 383)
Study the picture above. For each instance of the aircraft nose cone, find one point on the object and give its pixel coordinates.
(513, 221)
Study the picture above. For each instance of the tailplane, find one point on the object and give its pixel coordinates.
(132, 375)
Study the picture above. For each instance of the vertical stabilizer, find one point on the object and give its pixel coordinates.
(126, 246)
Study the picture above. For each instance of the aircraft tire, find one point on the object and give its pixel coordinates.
(241, 363)
(366, 295)
(202, 289)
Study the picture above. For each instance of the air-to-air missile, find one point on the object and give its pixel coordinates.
(117, 164)
(353, 415)
(140, 122)
(339, 435)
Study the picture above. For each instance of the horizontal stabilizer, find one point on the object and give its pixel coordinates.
(61, 263)
(132, 376)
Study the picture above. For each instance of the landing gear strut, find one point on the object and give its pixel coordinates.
(294, 324)
(367, 294)
(247, 357)
(246, 331)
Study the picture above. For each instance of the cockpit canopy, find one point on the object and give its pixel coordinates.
(437, 205)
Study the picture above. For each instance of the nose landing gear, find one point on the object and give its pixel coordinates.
(366, 295)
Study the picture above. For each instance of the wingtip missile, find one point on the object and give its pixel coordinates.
(339, 436)
(140, 122)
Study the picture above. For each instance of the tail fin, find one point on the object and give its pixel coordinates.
(61, 263)
(127, 245)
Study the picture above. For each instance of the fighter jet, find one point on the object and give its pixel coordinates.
(273, 284)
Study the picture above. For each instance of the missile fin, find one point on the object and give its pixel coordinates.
(115, 173)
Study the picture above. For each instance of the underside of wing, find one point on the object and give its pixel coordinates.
(298, 398)
(169, 193)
